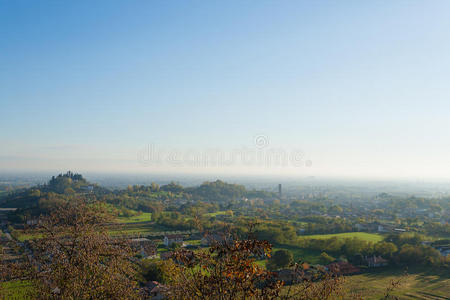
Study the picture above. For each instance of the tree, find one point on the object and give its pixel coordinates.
(77, 259)
(175, 246)
(385, 249)
(153, 271)
(280, 259)
(410, 255)
(228, 271)
(335, 209)
(358, 259)
(69, 191)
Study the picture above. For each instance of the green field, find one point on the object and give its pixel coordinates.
(370, 237)
(130, 228)
(28, 236)
(310, 256)
(222, 212)
(193, 242)
(142, 217)
(17, 290)
(313, 257)
(419, 283)
(136, 228)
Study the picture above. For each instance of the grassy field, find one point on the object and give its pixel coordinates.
(17, 290)
(222, 212)
(130, 228)
(133, 229)
(313, 257)
(193, 242)
(417, 284)
(420, 283)
(300, 254)
(126, 228)
(143, 217)
(28, 236)
(309, 256)
(371, 237)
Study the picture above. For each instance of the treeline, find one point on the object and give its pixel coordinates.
(276, 232)
(325, 225)
(173, 221)
(353, 249)
(437, 229)
(152, 198)
(400, 249)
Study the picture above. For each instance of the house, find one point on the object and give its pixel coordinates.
(215, 239)
(187, 256)
(343, 268)
(155, 290)
(289, 276)
(145, 247)
(385, 228)
(361, 227)
(88, 188)
(173, 238)
(444, 250)
(32, 222)
(305, 273)
(376, 261)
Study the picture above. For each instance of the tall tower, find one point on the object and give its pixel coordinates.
(279, 189)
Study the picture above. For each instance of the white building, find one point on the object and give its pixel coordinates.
(173, 238)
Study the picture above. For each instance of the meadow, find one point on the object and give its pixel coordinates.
(17, 290)
(416, 283)
(136, 228)
(370, 237)
(300, 254)
(313, 257)
(141, 217)
(217, 213)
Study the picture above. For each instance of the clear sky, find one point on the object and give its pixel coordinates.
(361, 87)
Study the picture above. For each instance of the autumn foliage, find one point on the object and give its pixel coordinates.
(225, 271)
(77, 259)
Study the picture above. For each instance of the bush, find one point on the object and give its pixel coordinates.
(151, 270)
(280, 259)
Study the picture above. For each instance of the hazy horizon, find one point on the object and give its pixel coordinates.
(347, 89)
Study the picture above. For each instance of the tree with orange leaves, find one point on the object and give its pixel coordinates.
(77, 259)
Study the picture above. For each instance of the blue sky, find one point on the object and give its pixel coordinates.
(361, 87)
